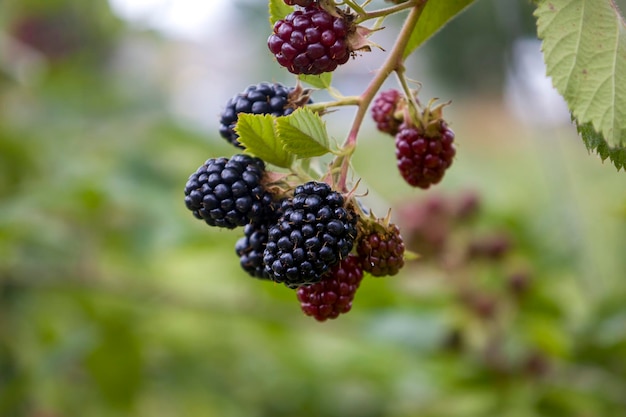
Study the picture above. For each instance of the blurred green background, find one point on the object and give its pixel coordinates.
(115, 301)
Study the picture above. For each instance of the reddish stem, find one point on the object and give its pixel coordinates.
(393, 63)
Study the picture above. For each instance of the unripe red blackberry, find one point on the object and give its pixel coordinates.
(311, 41)
(315, 231)
(382, 251)
(334, 294)
(228, 192)
(424, 155)
(263, 98)
(384, 108)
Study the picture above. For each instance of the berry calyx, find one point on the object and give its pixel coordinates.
(384, 108)
(382, 250)
(425, 150)
(334, 294)
(314, 231)
(262, 98)
(312, 41)
(229, 192)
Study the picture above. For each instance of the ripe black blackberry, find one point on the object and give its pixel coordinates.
(382, 251)
(229, 192)
(424, 155)
(315, 231)
(334, 294)
(263, 98)
(311, 41)
(250, 249)
(384, 108)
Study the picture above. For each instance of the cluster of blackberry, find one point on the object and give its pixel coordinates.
(308, 235)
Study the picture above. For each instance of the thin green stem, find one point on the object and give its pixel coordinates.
(355, 7)
(386, 11)
(393, 62)
(345, 101)
(414, 106)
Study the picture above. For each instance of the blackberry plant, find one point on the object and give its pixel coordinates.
(306, 221)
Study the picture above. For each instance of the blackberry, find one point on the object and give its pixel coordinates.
(250, 249)
(383, 109)
(263, 98)
(311, 41)
(229, 193)
(334, 294)
(314, 232)
(382, 252)
(424, 157)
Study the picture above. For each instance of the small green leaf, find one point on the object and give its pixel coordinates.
(257, 133)
(303, 133)
(278, 10)
(584, 47)
(322, 81)
(596, 143)
(435, 15)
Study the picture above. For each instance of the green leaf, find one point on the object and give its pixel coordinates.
(435, 15)
(584, 46)
(257, 134)
(322, 81)
(303, 133)
(596, 143)
(278, 10)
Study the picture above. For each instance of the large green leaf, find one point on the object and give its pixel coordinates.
(584, 46)
(435, 15)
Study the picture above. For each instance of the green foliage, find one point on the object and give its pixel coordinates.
(303, 133)
(434, 16)
(596, 143)
(322, 81)
(278, 140)
(584, 46)
(258, 134)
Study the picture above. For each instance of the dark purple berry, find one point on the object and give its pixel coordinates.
(423, 159)
(228, 192)
(311, 41)
(333, 295)
(382, 252)
(384, 108)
